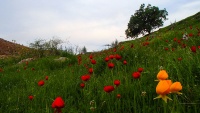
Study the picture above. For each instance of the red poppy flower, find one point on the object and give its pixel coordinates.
(118, 96)
(140, 69)
(107, 59)
(93, 61)
(86, 66)
(183, 45)
(26, 62)
(110, 65)
(91, 57)
(82, 85)
(111, 56)
(124, 62)
(79, 59)
(136, 75)
(30, 97)
(108, 89)
(122, 47)
(198, 47)
(132, 45)
(118, 57)
(175, 39)
(46, 78)
(193, 49)
(198, 34)
(190, 35)
(90, 70)
(166, 49)
(117, 82)
(41, 83)
(179, 59)
(85, 77)
(1, 70)
(58, 103)
(114, 50)
(145, 43)
(179, 41)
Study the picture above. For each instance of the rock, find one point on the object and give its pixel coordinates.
(61, 59)
(3, 56)
(185, 36)
(26, 60)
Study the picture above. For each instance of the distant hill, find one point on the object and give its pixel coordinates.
(10, 48)
(193, 20)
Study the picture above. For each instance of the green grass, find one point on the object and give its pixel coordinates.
(17, 83)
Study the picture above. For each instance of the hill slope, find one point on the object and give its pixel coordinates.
(192, 22)
(10, 48)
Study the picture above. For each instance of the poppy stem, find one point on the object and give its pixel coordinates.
(58, 110)
(112, 72)
(93, 70)
(165, 107)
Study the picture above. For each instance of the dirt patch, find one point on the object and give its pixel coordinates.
(10, 48)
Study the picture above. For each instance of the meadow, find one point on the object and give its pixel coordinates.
(117, 80)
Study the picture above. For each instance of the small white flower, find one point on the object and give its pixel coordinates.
(144, 93)
(92, 108)
(92, 102)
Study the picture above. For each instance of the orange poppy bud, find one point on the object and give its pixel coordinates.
(162, 75)
(176, 87)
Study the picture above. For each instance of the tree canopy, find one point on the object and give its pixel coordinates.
(145, 20)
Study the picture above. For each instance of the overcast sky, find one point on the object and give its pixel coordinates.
(89, 23)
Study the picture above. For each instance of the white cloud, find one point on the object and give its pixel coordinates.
(191, 5)
(183, 11)
(87, 22)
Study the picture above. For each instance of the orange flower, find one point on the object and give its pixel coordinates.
(176, 87)
(162, 75)
(163, 88)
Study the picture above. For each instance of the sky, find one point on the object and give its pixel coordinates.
(89, 23)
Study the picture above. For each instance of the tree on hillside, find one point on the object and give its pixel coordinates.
(38, 44)
(41, 46)
(84, 50)
(114, 43)
(145, 20)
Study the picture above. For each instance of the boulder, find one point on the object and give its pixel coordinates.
(61, 59)
(26, 60)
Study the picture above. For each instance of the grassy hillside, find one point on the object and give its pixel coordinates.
(118, 80)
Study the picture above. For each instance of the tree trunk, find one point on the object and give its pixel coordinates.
(149, 32)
